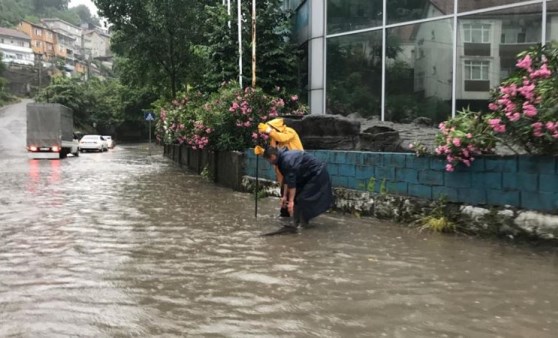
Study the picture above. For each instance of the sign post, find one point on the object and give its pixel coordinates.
(149, 116)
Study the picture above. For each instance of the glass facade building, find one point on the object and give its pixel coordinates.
(402, 59)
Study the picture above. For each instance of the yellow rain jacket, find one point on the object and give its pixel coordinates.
(282, 136)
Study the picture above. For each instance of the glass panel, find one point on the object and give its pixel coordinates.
(418, 72)
(354, 74)
(552, 21)
(301, 28)
(487, 46)
(292, 4)
(409, 10)
(349, 15)
(471, 5)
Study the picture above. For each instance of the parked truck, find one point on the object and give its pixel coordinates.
(50, 131)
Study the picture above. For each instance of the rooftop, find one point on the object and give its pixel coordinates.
(13, 33)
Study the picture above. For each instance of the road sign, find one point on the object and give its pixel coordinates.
(149, 116)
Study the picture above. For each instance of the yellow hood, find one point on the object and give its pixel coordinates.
(278, 124)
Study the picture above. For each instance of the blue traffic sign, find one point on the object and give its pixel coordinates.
(149, 116)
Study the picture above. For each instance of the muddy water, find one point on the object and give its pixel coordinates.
(121, 244)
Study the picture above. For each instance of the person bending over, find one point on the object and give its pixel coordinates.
(309, 192)
(281, 136)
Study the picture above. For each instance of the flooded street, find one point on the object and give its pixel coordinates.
(126, 244)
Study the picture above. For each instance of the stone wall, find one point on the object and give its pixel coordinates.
(223, 168)
(519, 181)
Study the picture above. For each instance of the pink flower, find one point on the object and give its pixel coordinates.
(457, 142)
(500, 129)
(493, 122)
(525, 63)
(510, 90)
(492, 106)
(529, 110)
(467, 162)
(469, 135)
(294, 98)
(538, 133)
(449, 168)
(537, 125)
(234, 107)
(513, 117)
(496, 126)
(543, 72)
(504, 101)
(527, 90)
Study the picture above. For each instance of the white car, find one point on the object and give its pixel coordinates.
(93, 142)
(110, 141)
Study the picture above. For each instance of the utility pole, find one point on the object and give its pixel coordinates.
(40, 63)
(240, 43)
(253, 43)
(229, 11)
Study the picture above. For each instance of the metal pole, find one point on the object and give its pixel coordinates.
(240, 43)
(149, 137)
(253, 43)
(257, 188)
(228, 10)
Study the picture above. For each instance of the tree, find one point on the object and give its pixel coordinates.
(157, 37)
(13, 11)
(277, 55)
(41, 5)
(2, 65)
(85, 15)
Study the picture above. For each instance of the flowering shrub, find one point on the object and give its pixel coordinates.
(524, 107)
(464, 137)
(226, 120)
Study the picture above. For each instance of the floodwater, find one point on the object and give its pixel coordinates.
(126, 244)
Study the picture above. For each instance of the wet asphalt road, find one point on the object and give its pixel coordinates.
(126, 244)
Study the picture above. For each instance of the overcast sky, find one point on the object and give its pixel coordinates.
(88, 3)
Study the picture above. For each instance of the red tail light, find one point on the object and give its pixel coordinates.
(33, 148)
(56, 149)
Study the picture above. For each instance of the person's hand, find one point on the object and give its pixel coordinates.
(284, 202)
(264, 128)
(290, 207)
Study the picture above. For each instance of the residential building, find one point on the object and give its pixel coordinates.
(97, 42)
(397, 60)
(15, 47)
(67, 29)
(42, 39)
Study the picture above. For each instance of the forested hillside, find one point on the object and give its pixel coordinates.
(13, 11)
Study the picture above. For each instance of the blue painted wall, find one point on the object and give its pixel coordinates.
(521, 181)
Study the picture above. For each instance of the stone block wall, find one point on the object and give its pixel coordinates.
(525, 182)
(223, 168)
